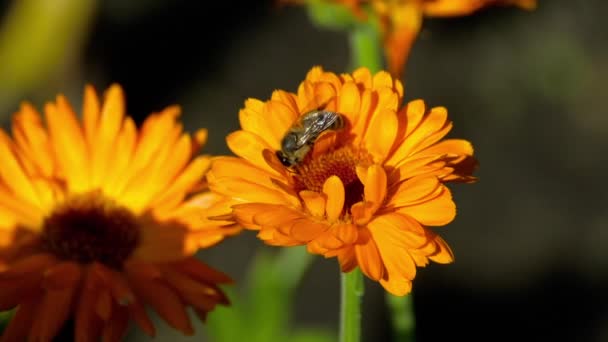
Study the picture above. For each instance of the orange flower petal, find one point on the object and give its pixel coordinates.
(116, 283)
(90, 114)
(52, 312)
(397, 284)
(397, 229)
(87, 323)
(108, 126)
(116, 328)
(139, 315)
(345, 232)
(443, 253)
(163, 299)
(69, 144)
(439, 211)
(314, 202)
(162, 243)
(14, 176)
(334, 189)
(249, 146)
(375, 186)
(305, 230)
(349, 100)
(400, 267)
(347, 259)
(413, 190)
(33, 140)
(254, 119)
(62, 275)
(202, 272)
(381, 134)
(368, 257)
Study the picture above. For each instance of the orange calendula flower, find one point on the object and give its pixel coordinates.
(401, 20)
(100, 219)
(366, 191)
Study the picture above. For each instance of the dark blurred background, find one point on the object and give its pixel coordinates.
(527, 88)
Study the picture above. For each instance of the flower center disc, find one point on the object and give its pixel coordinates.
(89, 228)
(342, 162)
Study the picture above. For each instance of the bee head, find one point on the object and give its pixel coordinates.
(284, 159)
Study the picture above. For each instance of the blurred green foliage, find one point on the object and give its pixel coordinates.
(262, 313)
(39, 39)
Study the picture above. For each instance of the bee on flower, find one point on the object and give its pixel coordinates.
(366, 191)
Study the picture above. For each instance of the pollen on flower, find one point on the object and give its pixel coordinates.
(342, 162)
(90, 227)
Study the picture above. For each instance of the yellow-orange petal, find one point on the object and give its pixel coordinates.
(306, 230)
(397, 284)
(450, 147)
(438, 211)
(375, 186)
(334, 189)
(398, 229)
(368, 257)
(314, 202)
(69, 144)
(90, 114)
(381, 134)
(108, 126)
(345, 232)
(14, 175)
(443, 253)
(250, 191)
(249, 146)
(413, 191)
(347, 259)
(349, 101)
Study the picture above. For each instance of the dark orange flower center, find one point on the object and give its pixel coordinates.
(342, 162)
(89, 228)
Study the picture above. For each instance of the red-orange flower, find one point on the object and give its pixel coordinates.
(100, 218)
(401, 20)
(366, 193)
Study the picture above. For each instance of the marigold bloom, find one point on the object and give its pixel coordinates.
(100, 218)
(401, 20)
(364, 194)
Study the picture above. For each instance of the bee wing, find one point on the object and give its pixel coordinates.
(312, 130)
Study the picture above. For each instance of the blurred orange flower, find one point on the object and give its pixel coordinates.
(100, 219)
(364, 193)
(401, 20)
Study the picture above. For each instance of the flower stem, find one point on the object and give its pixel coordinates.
(350, 311)
(366, 49)
(403, 319)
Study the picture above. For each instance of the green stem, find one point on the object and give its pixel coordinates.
(350, 310)
(366, 49)
(403, 319)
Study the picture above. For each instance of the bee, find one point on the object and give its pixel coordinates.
(301, 136)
